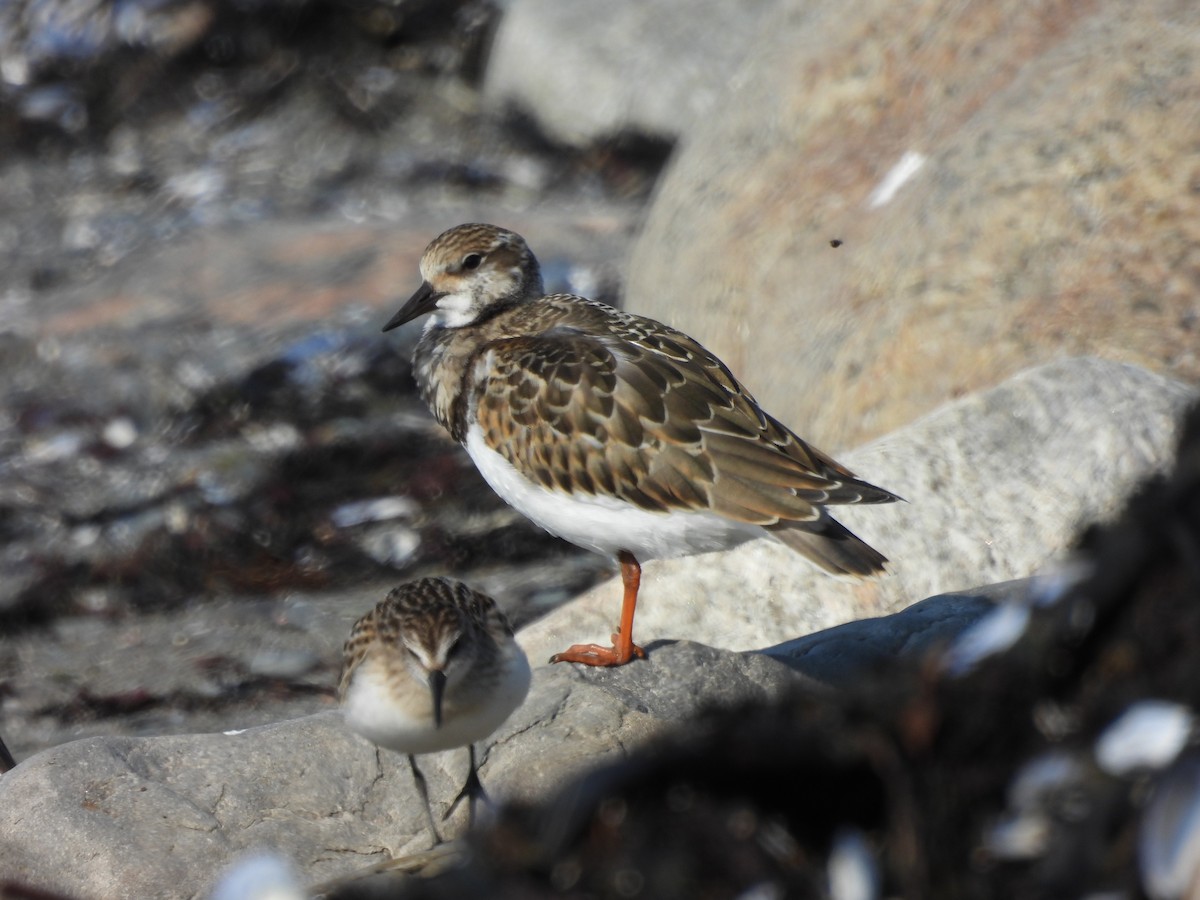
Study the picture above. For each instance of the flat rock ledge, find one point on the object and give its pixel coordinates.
(163, 816)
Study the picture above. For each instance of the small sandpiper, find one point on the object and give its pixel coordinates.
(611, 430)
(432, 667)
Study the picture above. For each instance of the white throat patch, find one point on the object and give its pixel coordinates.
(455, 311)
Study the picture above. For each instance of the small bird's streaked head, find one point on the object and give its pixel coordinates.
(470, 271)
(424, 634)
(433, 666)
(435, 654)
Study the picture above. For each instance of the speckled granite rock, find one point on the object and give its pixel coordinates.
(1011, 183)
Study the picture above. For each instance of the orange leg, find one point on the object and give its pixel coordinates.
(623, 648)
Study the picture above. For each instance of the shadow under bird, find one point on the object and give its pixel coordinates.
(611, 430)
(432, 667)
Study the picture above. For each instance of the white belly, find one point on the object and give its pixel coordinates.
(405, 723)
(606, 524)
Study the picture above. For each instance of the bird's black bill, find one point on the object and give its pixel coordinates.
(422, 301)
(437, 687)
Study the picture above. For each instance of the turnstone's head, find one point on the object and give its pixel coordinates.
(469, 271)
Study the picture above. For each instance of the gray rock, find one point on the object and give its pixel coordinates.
(997, 485)
(128, 817)
(716, 678)
(645, 68)
(838, 655)
(159, 817)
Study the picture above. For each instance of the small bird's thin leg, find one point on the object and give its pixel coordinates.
(423, 790)
(6, 759)
(623, 648)
(472, 790)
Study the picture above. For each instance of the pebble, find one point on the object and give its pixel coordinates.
(379, 509)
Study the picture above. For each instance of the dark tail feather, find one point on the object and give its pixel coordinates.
(834, 548)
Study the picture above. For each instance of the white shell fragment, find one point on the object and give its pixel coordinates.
(994, 633)
(1169, 838)
(377, 509)
(1043, 777)
(259, 876)
(1018, 837)
(1148, 735)
(853, 869)
(1052, 583)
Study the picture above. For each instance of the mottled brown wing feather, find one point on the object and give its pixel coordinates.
(623, 406)
(355, 649)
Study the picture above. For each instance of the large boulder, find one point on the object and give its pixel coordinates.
(1011, 183)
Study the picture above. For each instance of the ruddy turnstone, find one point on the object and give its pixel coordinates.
(612, 430)
(432, 667)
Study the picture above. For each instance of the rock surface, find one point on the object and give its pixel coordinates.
(841, 655)
(1010, 183)
(136, 817)
(997, 485)
(649, 70)
(158, 817)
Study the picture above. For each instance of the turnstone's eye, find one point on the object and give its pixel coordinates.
(472, 261)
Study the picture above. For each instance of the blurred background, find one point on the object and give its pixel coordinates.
(212, 462)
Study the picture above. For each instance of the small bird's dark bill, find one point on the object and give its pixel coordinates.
(422, 301)
(437, 688)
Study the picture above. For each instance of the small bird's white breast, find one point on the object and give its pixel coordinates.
(398, 713)
(394, 713)
(606, 524)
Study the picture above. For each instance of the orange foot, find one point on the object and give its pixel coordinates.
(596, 655)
